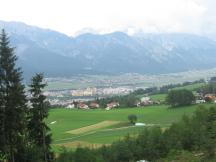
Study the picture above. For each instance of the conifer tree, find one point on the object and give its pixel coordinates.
(12, 104)
(2, 117)
(39, 131)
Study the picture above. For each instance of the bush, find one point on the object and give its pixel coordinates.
(181, 97)
(132, 118)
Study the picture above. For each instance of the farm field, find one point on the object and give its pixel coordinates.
(158, 97)
(191, 87)
(162, 97)
(92, 128)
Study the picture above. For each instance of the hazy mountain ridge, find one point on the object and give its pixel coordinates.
(56, 54)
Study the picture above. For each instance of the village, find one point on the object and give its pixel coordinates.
(66, 97)
(89, 98)
(142, 102)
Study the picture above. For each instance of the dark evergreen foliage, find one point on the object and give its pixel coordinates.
(132, 118)
(38, 130)
(18, 143)
(12, 104)
(208, 89)
(181, 97)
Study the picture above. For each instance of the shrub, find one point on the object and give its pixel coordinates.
(132, 118)
(181, 97)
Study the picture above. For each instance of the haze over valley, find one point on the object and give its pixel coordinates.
(59, 55)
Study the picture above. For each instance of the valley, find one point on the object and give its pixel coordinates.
(108, 81)
(64, 90)
(67, 120)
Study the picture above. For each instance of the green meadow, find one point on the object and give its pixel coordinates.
(69, 120)
(158, 97)
(192, 87)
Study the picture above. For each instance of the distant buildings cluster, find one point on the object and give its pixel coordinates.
(88, 92)
(66, 97)
(91, 105)
(83, 104)
(84, 92)
(202, 98)
(100, 91)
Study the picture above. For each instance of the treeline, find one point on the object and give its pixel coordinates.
(164, 89)
(24, 135)
(210, 88)
(129, 100)
(194, 135)
(180, 97)
(183, 97)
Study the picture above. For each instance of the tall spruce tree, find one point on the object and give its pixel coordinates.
(12, 104)
(38, 130)
(2, 113)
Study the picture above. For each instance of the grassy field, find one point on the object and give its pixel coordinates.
(191, 87)
(158, 97)
(57, 85)
(96, 127)
(161, 97)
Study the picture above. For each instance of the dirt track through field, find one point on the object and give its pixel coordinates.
(93, 127)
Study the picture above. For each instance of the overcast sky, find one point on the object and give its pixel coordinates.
(71, 16)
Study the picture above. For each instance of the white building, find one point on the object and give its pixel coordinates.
(71, 106)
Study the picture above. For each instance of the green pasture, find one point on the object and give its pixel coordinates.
(158, 97)
(161, 97)
(67, 120)
(191, 87)
(57, 85)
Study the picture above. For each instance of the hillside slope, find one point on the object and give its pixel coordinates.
(56, 54)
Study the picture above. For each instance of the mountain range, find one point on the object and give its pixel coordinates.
(56, 54)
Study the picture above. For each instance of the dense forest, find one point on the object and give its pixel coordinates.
(24, 135)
